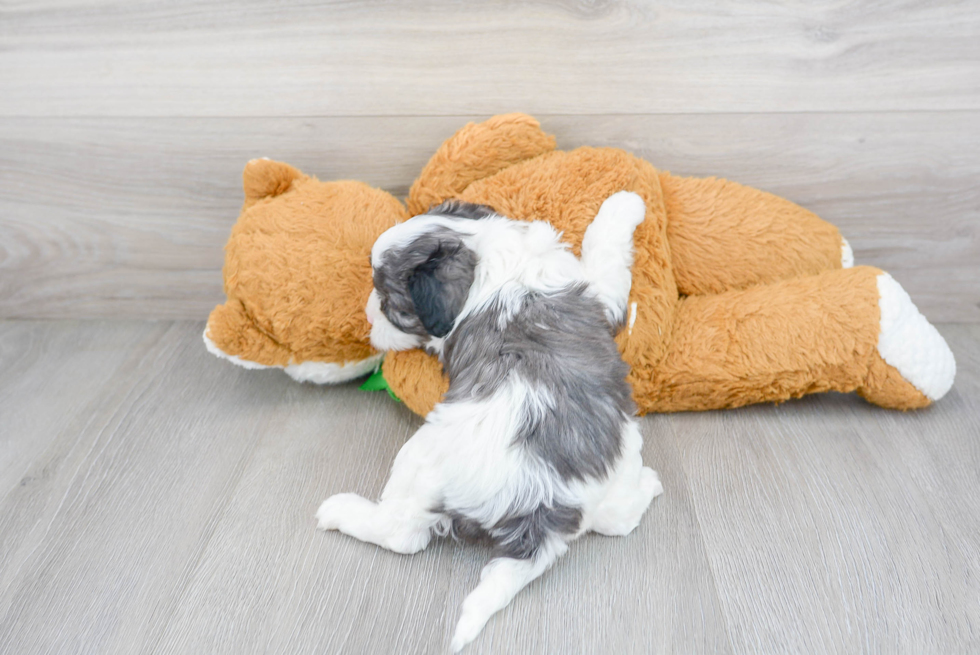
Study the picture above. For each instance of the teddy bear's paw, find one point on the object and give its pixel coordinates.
(911, 344)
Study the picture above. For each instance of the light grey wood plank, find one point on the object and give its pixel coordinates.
(99, 58)
(121, 504)
(815, 515)
(944, 459)
(127, 217)
(178, 517)
(60, 384)
(40, 393)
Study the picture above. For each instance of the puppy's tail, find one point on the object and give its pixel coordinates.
(500, 581)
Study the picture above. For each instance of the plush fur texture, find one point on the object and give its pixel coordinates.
(287, 306)
(910, 343)
(716, 263)
(536, 441)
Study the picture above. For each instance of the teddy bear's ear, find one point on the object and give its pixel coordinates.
(264, 178)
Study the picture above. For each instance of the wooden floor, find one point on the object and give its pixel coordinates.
(158, 500)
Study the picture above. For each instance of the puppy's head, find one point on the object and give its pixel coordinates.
(423, 271)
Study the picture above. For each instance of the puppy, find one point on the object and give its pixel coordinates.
(535, 442)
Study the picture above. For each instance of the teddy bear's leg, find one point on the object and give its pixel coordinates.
(727, 236)
(476, 151)
(909, 348)
(848, 330)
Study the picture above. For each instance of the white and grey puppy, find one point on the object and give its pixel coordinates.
(535, 442)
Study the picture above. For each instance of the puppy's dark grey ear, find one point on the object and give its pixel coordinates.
(460, 209)
(439, 286)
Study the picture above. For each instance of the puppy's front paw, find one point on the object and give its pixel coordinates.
(623, 210)
(338, 510)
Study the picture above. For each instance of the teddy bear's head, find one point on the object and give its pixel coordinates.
(298, 274)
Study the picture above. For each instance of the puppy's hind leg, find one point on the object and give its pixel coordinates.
(607, 252)
(405, 517)
(402, 525)
(500, 580)
(630, 488)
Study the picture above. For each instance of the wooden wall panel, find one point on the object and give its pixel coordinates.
(255, 58)
(108, 217)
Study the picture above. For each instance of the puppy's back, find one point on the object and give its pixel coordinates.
(561, 347)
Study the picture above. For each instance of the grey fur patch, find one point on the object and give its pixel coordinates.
(460, 209)
(561, 344)
(517, 536)
(422, 285)
(521, 536)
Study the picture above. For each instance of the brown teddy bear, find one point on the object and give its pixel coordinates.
(738, 296)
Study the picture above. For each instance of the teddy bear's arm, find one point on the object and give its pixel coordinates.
(727, 236)
(232, 334)
(845, 330)
(416, 378)
(476, 151)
